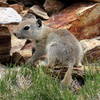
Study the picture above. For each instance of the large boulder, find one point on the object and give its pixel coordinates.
(5, 44)
(53, 6)
(8, 16)
(83, 20)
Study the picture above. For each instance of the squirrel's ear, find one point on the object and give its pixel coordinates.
(39, 22)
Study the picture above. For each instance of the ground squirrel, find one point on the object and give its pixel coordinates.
(60, 46)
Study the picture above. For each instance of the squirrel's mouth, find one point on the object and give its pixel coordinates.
(19, 37)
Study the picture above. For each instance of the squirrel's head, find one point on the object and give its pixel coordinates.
(29, 28)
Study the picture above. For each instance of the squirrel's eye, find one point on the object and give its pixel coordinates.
(26, 28)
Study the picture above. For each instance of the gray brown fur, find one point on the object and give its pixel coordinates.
(60, 46)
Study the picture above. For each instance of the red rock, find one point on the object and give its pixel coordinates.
(18, 7)
(83, 20)
(52, 6)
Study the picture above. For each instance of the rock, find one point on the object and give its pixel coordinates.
(18, 7)
(83, 20)
(27, 3)
(93, 55)
(91, 49)
(53, 6)
(20, 50)
(39, 12)
(12, 1)
(17, 59)
(5, 44)
(4, 1)
(89, 44)
(9, 15)
(16, 44)
(3, 4)
(94, 0)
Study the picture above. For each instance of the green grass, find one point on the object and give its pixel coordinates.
(44, 87)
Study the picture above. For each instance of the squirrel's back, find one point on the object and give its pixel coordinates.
(63, 48)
